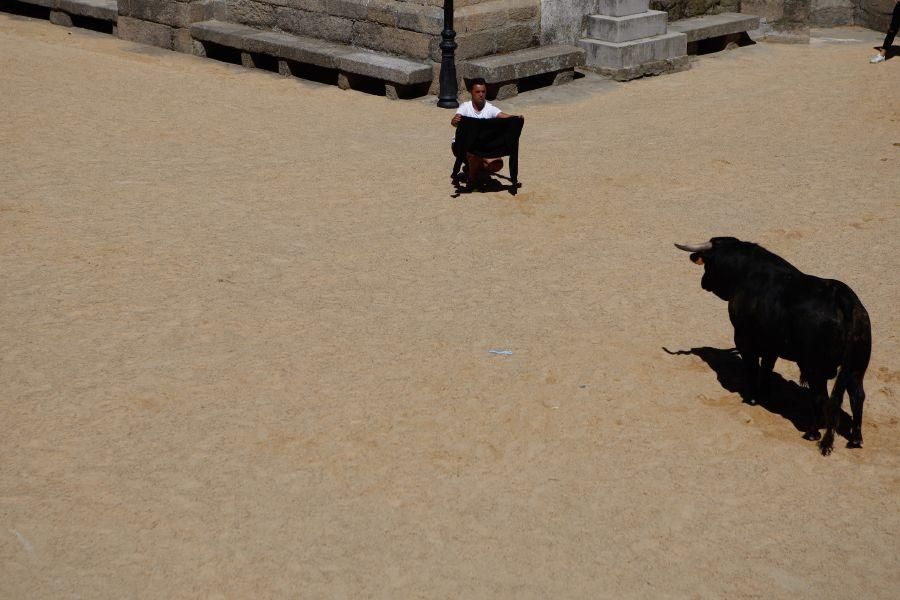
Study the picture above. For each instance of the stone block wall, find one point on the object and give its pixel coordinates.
(682, 9)
(562, 20)
(410, 28)
(164, 23)
(485, 27)
(829, 13)
(874, 14)
(817, 13)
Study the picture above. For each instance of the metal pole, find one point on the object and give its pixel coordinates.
(448, 91)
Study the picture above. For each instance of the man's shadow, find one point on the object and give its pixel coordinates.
(785, 398)
(490, 184)
(891, 52)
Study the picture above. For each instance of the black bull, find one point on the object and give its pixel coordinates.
(780, 312)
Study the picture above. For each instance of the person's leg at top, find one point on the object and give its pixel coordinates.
(889, 38)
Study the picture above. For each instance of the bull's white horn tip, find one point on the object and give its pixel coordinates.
(694, 247)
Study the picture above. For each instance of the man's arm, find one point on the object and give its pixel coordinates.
(503, 115)
(456, 119)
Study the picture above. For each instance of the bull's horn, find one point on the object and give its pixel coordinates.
(695, 247)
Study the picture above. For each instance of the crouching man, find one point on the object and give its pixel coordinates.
(479, 168)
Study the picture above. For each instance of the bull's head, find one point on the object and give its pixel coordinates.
(722, 267)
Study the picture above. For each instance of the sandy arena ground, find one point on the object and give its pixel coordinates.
(245, 333)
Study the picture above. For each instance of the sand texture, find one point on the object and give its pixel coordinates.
(245, 334)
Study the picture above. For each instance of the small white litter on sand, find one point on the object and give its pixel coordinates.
(24, 541)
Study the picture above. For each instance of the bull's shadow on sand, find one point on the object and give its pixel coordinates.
(785, 398)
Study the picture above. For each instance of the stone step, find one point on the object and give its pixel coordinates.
(710, 26)
(621, 8)
(102, 10)
(619, 55)
(628, 28)
(313, 51)
(504, 72)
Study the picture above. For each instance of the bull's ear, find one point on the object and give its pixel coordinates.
(697, 258)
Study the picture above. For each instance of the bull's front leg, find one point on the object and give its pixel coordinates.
(750, 360)
(818, 396)
(764, 375)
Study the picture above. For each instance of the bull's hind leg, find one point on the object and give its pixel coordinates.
(819, 388)
(857, 397)
(751, 372)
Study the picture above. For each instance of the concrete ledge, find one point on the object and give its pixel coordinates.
(102, 10)
(51, 4)
(710, 26)
(523, 63)
(383, 66)
(307, 50)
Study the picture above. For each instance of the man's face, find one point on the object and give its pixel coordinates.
(479, 95)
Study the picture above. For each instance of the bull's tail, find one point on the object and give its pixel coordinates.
(840, 386)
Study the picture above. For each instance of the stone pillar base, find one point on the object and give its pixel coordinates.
(660, 67)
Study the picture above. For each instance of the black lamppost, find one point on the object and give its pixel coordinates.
(448, 91)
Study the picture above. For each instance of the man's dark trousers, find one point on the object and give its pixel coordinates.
(892, 30)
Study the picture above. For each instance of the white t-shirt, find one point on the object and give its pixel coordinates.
(488, 112)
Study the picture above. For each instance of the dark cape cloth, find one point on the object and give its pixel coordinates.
(489, 138)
